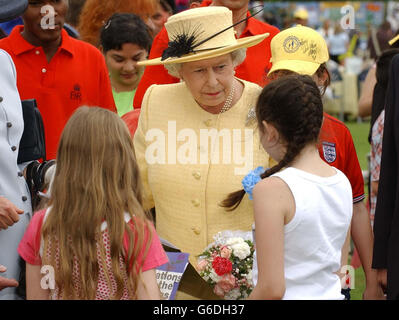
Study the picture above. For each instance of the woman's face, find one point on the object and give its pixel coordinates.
(122, 66)
(209, 80)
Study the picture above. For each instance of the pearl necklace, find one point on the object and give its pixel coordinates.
(229, 100)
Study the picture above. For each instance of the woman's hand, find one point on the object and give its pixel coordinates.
(9, 213)
(6, 283)
(375, 289)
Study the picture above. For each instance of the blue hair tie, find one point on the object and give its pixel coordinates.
(251, 179)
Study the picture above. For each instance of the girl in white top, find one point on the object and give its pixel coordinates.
(303, 213)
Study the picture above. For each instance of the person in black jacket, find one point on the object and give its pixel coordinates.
(386, 221)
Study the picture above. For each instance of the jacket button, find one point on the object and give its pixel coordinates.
(195, 202)
(13, 148)
(197, 231)
(208, 122)
(20, 174)
(1, 99)
(9, 124)
(24, 198)
(197, 175)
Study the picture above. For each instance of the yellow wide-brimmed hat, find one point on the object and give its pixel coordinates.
(299, 49)
(201, 33)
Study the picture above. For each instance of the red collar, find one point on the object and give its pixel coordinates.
(252, 27)
(19, 45)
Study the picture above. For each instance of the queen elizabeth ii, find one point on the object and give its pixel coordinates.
(195, 139)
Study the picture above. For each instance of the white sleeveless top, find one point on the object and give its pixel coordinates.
(313, 239)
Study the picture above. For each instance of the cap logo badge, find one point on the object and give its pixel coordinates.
(291, 44)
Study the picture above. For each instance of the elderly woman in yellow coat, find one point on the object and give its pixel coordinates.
(196, 139)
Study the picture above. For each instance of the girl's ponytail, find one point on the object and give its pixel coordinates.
(293, 105)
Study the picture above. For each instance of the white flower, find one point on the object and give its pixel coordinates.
(233, 294)
(240, 248)
(245, 295)
(249, 276)
(214, 277)
(234, 240)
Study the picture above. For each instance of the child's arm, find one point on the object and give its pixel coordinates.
(34, 278)
(273, 204)
(147, 288)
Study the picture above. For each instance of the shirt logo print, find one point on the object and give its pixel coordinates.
(76, 94)
(329, 151)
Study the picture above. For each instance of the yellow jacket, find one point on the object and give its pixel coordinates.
(180, 177)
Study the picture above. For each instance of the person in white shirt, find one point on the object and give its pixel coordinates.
(15, 202)
(338, 43)
(302, 205)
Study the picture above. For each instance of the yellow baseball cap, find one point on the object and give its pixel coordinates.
(299, 49)
(301, 13)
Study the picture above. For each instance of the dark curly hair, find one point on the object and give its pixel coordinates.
(124, 28)
(293, 105)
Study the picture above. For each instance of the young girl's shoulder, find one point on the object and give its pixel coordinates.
(139, 224)
(271, 188)
(38, 218)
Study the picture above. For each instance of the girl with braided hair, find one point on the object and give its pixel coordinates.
(302, 50)
(302, 205)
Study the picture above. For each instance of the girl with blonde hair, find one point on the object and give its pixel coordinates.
(95, 13)
(94, 233)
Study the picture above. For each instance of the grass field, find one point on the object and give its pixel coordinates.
(359, 133)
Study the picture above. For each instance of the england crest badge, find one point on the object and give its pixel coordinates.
(329, 151)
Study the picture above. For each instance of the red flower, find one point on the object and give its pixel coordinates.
(222, 265)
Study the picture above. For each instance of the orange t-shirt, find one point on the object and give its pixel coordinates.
(254, 68)
(76, 76)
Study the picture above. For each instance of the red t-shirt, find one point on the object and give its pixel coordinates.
(76, 76)
(29, 247)
(131, 119)
(337, 149)
(253, 69)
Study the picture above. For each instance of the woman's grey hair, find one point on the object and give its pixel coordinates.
(238, 56)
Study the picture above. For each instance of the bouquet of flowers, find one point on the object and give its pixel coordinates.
(226, 264)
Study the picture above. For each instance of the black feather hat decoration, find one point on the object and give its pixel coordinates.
(186, 42)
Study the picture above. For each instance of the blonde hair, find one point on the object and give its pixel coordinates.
(238, 57)
(96, 13)
(96, 180)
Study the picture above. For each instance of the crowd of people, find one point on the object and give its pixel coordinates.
(154, 115)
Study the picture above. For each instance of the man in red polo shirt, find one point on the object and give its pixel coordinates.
(60, 72)
(253, 69)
